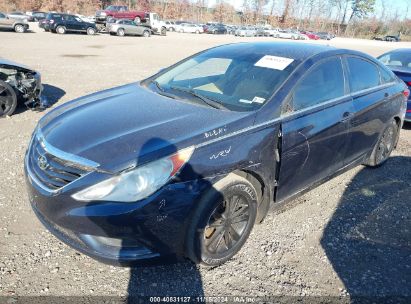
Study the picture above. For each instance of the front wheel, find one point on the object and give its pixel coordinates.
(61, 30)
(91, 31)
(384, 146)
(19, 28)
(8, 99)
(222, 221)
(121, 32)
(146, 34)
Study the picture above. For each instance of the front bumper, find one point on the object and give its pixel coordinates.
(150, 231)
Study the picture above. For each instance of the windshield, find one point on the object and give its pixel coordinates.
(397, 59)
(236, 81)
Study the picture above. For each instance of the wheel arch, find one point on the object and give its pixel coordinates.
(260, 186)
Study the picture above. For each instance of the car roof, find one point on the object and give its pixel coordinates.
(402, 50)
(294, 50)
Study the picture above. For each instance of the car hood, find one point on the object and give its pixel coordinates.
(5, 62)
(130, 125)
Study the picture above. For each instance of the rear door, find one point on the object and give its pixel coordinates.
(371, 104)
(314, 128)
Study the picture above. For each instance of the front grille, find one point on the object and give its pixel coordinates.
(50, 170)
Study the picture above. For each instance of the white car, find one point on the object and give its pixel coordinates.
(246, 32)
(270, 32)
(287, 34)
(191, 28)
(170, 25)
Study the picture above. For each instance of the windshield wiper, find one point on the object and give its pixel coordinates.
(158, 85)
(210, 102)
(161, 90)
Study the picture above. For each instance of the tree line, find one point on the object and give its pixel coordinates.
(355, 18)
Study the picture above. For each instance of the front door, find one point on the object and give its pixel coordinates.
(314, 128)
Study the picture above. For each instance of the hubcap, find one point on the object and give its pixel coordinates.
(226, 225)
(386, 145)
(6, 100)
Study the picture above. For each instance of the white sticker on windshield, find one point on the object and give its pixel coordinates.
(245, 101)
(258, 99)
(274, 62)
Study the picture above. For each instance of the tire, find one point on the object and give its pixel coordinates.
(8, 99)
(137, 20)
(384, 146)
(121, 32)
(197, 32)
(163, 31)
(61, 30)
(19, 28)
(91, 31)
(213, 246)
(146, 34)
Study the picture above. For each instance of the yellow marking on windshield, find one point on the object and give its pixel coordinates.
(210, 87)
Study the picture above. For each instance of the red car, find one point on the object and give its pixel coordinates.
(310, 35)
(119, 12)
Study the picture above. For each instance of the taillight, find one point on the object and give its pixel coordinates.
(408, 83)
(406, 93)
(51, 21)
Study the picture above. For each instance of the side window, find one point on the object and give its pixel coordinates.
(386, 76)
(2, 15)
(323, 82)
(363, 74)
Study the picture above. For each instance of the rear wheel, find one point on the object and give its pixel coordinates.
(146, 34)
(222, 221)
(61, 30)
(8, 99)
(384, 146)
(121, 32)
(19, 28)
(163, 31)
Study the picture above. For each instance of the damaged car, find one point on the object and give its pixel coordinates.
(19, 85)
(185, 162)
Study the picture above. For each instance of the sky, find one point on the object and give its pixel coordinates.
(391, 6)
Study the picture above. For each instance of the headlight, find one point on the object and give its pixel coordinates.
(136, 184)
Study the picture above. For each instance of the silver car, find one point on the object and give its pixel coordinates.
(18, 25)
(125, 27)
(246, 32)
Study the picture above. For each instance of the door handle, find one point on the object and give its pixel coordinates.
(347, 116)
(386, 95)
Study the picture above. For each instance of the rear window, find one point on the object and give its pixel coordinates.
(397, 59)
(363, 74)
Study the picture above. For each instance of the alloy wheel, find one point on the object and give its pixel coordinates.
(385, 145)
(226, 225)
(19, 28)
(7, 100)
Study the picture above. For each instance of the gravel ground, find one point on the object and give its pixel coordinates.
(350, 236)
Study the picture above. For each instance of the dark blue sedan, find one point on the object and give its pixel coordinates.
(399, 61)
(184, 163)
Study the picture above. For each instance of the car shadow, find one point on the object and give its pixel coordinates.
(49, 96)
(160, 228)
(368, 239)
(52, 93)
